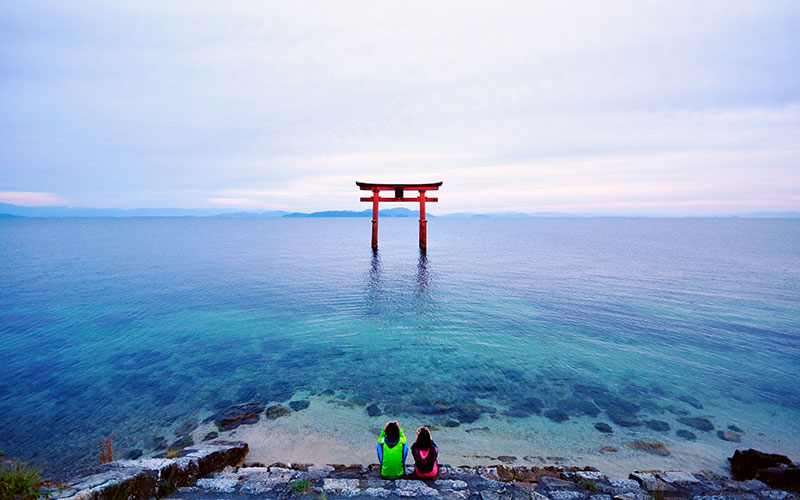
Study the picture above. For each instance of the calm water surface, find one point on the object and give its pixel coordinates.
(134, 325)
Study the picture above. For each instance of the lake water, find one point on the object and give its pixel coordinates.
(526, 331)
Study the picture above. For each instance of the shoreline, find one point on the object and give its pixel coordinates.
(325, 432)
(221, 469)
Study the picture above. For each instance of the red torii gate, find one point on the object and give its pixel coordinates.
(399, 195)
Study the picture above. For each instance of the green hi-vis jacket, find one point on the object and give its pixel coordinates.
(393, 460)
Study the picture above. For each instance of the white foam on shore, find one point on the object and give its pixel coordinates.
(330, 431)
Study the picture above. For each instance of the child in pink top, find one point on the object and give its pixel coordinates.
(425, 454)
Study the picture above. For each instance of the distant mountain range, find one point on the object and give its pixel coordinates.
(8, 210)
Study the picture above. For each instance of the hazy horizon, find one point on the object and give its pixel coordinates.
(668, 108)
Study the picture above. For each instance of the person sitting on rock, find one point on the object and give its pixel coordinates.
(425, 454)
(392, 451)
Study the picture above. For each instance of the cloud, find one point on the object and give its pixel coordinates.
(30, 198)
(285, 105)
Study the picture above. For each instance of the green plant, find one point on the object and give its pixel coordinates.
(299, 486)
(166, 490)
(657, 495)
(588, 485)
(172, 453)
(118, 492)
(18, 481)
(323, 496)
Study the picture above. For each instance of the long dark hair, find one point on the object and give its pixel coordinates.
(423, 441)
(392, 432)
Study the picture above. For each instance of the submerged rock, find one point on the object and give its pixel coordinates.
(657, 425)
(468, 414)
(580, 406)
(158, 443)
(556, 415)
(211, 435)
(654, 448)
(299, 405)
(687, 435)
(624, 419)
(746, 464)
(735, 428)
(691, 400)
(187, 427)
(507, 459)
(235, 416)
(182, 443)
(729, 436)
(699, 423)
(451, 422)
(675, 410)
(608, 449)
(525, 407)
(133, 454)
(603, 427)
(277, 411)
(373, 410)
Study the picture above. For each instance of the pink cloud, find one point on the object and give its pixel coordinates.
(30, 198)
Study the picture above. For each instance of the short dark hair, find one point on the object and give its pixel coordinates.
(392, 432)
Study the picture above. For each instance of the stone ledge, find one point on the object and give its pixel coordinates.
(337, 482)
(151, 477)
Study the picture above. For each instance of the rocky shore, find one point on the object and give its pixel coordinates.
(218, 471)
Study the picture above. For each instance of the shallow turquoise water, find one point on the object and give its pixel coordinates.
(132, 325)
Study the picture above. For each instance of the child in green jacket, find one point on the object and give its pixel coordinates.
(392, 451)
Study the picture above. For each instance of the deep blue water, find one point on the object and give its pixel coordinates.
(132, 325)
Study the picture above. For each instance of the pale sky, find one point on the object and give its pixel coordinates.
(674, 107)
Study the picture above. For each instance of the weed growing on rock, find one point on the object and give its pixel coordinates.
(106, 450)
(18, 481)
(172, 454)
(299, 486)
(589, 485)
(166, 490)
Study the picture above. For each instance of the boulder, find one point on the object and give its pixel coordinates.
(746, 464)
(687, 435)
(784, 477)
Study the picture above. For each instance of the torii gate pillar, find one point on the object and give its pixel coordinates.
(399, 195)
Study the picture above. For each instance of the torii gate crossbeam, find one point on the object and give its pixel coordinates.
(399, 195)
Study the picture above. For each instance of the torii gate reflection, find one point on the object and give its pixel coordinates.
(399, 195)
